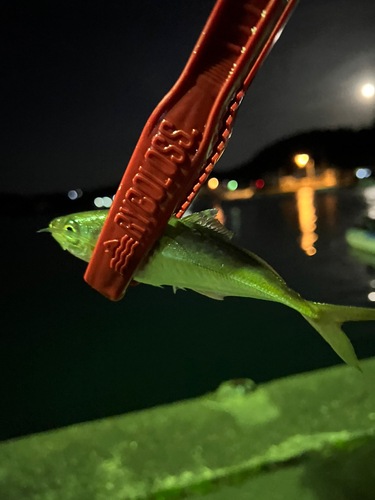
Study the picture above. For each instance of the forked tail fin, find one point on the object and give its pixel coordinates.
(328, 323)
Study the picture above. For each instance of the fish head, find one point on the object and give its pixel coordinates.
(70, 233)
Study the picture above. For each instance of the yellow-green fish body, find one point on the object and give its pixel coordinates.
(196, 253)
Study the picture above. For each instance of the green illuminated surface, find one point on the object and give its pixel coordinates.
(305, 437)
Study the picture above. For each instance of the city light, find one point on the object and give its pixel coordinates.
(232, 185)
(369, 194)
(107, 201)
(368, 90)
(371, 296)
(104, 201)
(213, 183)
(259, 184)
(363, 173)
(301, 160)
(74, 194)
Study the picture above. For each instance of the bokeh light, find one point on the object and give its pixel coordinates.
(363, 173)
(107, 201)
(213, 183)
(104, 201)
(301, 160)
(259, 183)
(232, 185)
(74, 194)
(98, 202)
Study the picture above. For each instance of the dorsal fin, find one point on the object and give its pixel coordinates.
(206, 219)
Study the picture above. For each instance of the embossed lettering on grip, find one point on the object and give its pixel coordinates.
(123, 251)
(162, 172)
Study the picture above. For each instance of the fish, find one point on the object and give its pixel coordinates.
(196, 252)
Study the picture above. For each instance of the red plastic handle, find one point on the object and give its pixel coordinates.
(184, 137)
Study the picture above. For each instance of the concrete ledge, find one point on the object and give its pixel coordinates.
(305, 437)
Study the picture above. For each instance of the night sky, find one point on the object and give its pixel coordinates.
(81, 79)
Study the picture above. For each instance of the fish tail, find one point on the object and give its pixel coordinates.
(328, 320)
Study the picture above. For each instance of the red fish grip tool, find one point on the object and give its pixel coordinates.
(184, 137)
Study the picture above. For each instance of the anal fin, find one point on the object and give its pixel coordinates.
(211, 295)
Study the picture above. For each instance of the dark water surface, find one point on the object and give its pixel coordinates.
(69, 355)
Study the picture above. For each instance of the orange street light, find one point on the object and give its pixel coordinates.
(213, 183)
(301, 160)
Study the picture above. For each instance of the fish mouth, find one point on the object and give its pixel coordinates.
(63, 240)
(57, 235)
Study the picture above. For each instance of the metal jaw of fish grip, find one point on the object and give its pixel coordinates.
(184, 137)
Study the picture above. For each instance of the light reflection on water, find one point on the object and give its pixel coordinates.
(220, 216)
(369, 196)
(307, 218)
(302, 235)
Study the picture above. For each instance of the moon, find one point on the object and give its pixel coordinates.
(368, 90)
